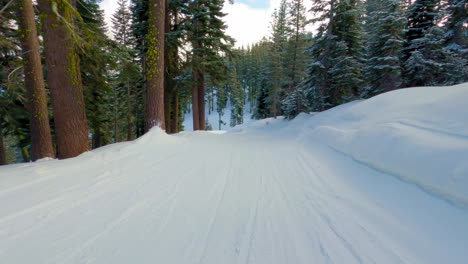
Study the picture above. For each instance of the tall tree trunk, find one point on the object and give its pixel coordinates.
(116, 109)
(175, 112)
(201, 99)
(97, 138)
(155, 65)
(167, 73)
(195, 107)
(63, 72)
(41, 138)
(3, 160)
(129, 113)
(167, 109)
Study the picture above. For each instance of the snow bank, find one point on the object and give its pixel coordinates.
(417, 134)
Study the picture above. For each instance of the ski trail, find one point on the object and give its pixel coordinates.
(234, 198)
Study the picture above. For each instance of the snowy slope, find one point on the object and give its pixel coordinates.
(377, 181)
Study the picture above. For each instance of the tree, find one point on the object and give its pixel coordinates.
(279, 36)
(384, 25)
(335, 69)
(155, 65)
(205, 31)
(457, 24)
(456, 39)
(425, 59)
(430, 63)
(64, 78)
(237, 99)
(128, 70)
(97, 60)
(41, 138)
(296, 22)
(3, 160)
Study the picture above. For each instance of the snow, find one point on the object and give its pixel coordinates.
(378, 181)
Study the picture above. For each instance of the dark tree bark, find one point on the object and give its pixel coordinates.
(3, 160)
(63, 72)
(41, 138)
(175, 113)
(167, 72)
(155, 65)
(129, 114)
(201, 99)
(195, 108)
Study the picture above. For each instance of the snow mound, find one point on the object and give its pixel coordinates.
(417, 134)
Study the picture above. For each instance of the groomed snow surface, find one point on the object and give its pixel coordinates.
(378, 181)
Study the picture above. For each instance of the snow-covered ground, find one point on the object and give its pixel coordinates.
(378, 181)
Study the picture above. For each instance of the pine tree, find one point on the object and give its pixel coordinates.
(205, 30)
(280, 32)
(425, 60)
(14, 117)
(421, 17)
(221, 101)
(335, 70)
(64, 78)
(3, 160)
(456, 39)
(155, 65)
(122, 24)
(385, 23)
(139, 27)
(237, 99)
(429, 63)
(127, 68)
(296, 22)
(41, 137)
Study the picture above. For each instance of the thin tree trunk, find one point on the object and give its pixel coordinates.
(116, 108)
(201, 99)
(167, 72)
(3, 160)
(63, 72)
(195, 107)
(41, 138)
(97, 138)
(129, 113)
(175, 113)
(155, 65)
(168, 109)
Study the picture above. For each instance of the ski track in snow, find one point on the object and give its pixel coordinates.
(258, 195)
(251, 206)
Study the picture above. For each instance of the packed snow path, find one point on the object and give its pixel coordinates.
(269, 193)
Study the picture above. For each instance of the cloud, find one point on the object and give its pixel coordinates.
(246, 25)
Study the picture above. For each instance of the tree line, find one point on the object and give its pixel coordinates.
(359, 49)
(67, 87)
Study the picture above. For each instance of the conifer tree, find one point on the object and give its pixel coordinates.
(205, 30)
(64, 78)
(335, 69)
(127, 68)
(297, 21)
(237, 99)
(41, 137)
(425, 60)
(155, 65)
(384, 25)
(279, 37)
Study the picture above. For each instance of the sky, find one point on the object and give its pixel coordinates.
(248, 21)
